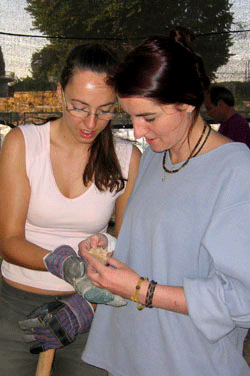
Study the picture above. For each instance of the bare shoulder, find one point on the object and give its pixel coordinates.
(13, 139)
(136, 152)
(135, 159)
(13, 148)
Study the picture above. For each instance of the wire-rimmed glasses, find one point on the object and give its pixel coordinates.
(84, 113)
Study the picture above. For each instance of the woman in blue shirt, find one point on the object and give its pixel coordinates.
(182, 258)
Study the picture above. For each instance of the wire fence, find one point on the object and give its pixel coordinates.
(19, 45)
(19, 63)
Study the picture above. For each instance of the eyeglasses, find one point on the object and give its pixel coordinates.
(84, 114)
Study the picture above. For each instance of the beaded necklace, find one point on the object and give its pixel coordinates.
(193, 153)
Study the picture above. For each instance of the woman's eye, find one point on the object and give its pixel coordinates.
(107, 110)
(149, 120)
(103, 112)
(80, 109)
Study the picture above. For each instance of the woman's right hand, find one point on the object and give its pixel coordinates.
(95, 240)
(115, 277)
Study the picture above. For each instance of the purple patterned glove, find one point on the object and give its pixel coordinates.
(64, 263)
(57, 323)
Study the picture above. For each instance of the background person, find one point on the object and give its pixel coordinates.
(182, 255)
(219, 103)
(59, 183)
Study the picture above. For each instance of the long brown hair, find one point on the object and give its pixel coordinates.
(103, 163)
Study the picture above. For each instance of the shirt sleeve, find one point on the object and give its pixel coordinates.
(222, 301)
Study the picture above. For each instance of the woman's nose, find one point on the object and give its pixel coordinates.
(139, 128)
(91, 120)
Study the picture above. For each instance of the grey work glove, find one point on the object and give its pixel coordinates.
(57, 323)
(65, 264)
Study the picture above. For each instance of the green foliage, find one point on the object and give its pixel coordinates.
(46, 64)
(129, 21)
(31, 84)
(2, 63)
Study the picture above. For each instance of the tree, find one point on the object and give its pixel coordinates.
(46, 64)
(2, 64)
(31, 84)
(128, 21)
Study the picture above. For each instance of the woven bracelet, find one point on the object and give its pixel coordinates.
(150, 294)
(136, 297)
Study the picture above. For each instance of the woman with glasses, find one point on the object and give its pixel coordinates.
(182, 258)
(59, 183)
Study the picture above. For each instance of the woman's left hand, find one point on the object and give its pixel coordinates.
(119, 279)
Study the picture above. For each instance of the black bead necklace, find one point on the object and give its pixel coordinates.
(193, 153)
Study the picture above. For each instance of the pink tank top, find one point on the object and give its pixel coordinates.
(54, 219)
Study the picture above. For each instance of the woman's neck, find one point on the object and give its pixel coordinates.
(190, 143)
(62, 138)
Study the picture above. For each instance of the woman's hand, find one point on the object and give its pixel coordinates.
(119, 278)
(122, 280)
(95, 240)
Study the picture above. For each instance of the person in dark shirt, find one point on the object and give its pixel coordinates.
(219, 104)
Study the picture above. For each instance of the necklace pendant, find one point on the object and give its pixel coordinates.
(164, 178)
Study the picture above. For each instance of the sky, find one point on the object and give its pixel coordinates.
(236, 67)
(18, 51)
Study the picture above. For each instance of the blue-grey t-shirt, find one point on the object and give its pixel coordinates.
(191, 230)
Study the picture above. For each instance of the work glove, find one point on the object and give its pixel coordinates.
(65, 264)
(57, 323)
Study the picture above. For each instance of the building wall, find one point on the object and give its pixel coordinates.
(22, 102)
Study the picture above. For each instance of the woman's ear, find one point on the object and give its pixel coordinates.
(188, 108)
(185, 107)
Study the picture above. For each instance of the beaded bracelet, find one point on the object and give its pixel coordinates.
(135, 298)
(150, 294)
